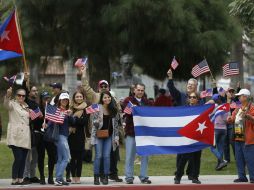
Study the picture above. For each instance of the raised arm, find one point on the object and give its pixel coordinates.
(7, 103)
(174, 92)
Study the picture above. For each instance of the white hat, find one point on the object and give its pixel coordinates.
(64, 96)
(244, 91)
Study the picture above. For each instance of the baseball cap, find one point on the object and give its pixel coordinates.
(216, 97)
(243, 91)
(45, 94)
(103, 82)
(64, 96)
(56, 85)
(231, 89)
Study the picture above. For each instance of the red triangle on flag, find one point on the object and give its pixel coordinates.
(225, 107)
(201, 128)
(9, 38)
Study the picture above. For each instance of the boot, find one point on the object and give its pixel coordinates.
(96, 179)
(105, 180)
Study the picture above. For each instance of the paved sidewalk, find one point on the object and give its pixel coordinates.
(156, 180)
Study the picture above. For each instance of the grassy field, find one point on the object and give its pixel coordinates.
(158, 165)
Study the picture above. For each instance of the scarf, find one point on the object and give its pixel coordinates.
(78, 109)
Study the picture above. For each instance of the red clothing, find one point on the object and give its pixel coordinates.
(129, 128)
(163, 100)
(248, 125)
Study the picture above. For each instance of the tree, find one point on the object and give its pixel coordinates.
(155, 31)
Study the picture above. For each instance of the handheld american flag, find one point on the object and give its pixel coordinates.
(35, 113)
(230, 69)
(128, 108)
(206, 93)
(200, 68)
(92, 109)
(54, 114)
(11, 80)
(174, 63)
(81, 62)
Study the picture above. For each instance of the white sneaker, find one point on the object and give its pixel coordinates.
(58, 183)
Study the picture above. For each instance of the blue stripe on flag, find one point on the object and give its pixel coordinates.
(157, 131)
(169, 111)
(152, 150)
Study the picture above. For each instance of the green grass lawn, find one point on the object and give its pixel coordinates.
(158, 165)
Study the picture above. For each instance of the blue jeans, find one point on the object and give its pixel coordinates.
(240, 159)
(130, 145)
(249, 157)
(220, 135)
(63, 156)
(102, 150)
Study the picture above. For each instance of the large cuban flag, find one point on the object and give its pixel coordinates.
(173, 130)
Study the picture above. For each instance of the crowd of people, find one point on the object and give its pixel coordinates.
(102, 130)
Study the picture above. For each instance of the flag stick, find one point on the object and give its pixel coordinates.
(209, 69)
(20, 38)
(44, 121)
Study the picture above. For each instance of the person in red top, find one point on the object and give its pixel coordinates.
(243, 118)
(163, 99)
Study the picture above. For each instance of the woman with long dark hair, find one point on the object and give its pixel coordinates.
(77, 135)
(106, 120)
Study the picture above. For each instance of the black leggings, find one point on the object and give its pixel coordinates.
(50, 147)
(76, 163)
(18, 165)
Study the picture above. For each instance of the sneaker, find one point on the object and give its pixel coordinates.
(42, 181)
(58, 183)
(64, 182)
(196, 181)
(239, 180)
(24, 183)
(34, 180)
(129, 182)
(222, 165)
(146, 181)
(15, 183)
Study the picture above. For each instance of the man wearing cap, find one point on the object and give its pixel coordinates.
(94, 97)
(243, 118)
(56, 89)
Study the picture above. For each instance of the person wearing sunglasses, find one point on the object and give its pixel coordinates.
(180, 99)
(18, 132)
(194, 157)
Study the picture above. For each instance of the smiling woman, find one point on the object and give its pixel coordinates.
(18, 132)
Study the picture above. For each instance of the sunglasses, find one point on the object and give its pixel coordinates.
(192, 97)
(104, 86)
(21, 95)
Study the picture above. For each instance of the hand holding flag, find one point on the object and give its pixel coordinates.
(128, 108)
(81, 62)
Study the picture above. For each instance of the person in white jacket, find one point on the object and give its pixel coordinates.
(18, 132)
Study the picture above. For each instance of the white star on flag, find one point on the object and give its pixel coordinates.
(5, 35)
(201, 127)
